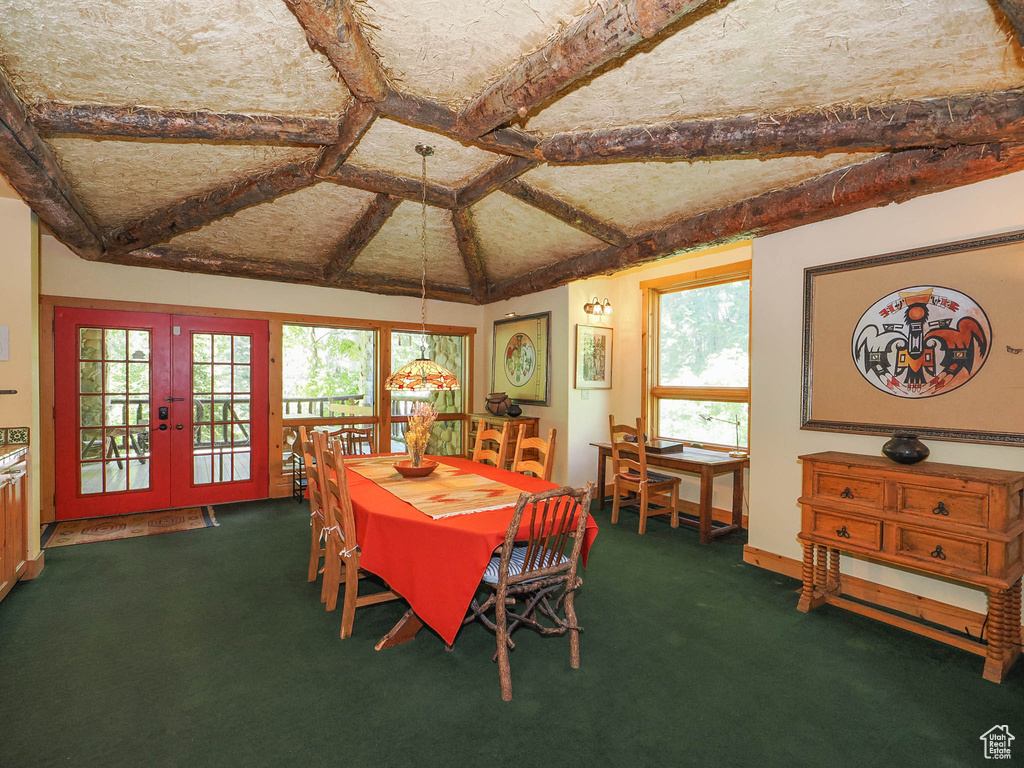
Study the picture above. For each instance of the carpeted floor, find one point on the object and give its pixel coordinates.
(213, 650)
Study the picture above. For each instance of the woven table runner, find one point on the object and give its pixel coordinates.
(447, 491)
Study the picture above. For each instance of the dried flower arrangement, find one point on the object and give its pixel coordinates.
(418, 432)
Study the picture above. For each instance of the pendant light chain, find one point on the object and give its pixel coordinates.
(423, 278)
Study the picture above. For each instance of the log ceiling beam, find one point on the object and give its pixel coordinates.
(55, 118)
(164, 257)
(331, 27)
(570, 214)
(198, 210)
(423, 113)
(357, 121)
(493, 178)
(941, 122)
(598, 37)
(363, 231)
(883, 180)
(1014, 10)
(389, 184)
(469, 247)
(34, 173)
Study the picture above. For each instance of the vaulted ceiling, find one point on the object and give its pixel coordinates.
(275, 138)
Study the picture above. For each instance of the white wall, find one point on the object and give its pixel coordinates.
(19, 299)
(776, 438)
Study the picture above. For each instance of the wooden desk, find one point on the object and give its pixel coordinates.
(697, 461)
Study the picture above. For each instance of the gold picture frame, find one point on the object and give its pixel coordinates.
(521, 358)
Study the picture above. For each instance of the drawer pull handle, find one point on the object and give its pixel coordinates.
(940, 509)
(846, 494)
(843, 533)
(938, 553)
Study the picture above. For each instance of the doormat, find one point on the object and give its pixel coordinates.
(72, 532)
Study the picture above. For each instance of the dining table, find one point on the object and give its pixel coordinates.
(436, 565)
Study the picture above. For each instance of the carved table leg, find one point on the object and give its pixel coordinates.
(1011, 623)
(996, 636)
(820, 567)
(404, 631)
(834, 582)
(807, 573)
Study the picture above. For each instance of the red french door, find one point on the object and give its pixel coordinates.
(156, 411)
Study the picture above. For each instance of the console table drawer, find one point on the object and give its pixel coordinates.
(941, 505)
(936, 549)
(848, 529)
(866, 491)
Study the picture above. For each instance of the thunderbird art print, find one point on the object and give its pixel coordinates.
(921, 341)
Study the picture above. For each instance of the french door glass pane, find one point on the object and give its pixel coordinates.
(113, 458)
(328, 372)
(221, 408)
(703, 336)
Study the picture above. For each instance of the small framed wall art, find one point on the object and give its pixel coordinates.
(593, 357)
(521, 362)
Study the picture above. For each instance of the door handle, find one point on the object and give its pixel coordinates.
(179, 427)
(162, 428)
(174, 399)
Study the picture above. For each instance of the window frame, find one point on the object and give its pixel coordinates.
(652, 392)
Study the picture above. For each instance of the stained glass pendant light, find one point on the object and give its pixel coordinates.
(423, 374)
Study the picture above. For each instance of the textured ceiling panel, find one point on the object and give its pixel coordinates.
(391, 146)
(124, 180)
(516, 238)
(765, 56)
(301, 227)
(652, 195)
(222, 55)
(397, 249)
(450, 49)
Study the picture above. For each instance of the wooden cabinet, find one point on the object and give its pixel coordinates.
(497, 422)
(959, 523)
(13, 518)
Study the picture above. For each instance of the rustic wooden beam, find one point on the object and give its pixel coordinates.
(883, 180)
(420, 112)
(55, 118)
(389, 184)
(195, 211)
(469, 247)
(332, 28)
(1014, 10)
(363, 231)
(34, 173)
(604, 33)
(976, 118)
(494, 177)
(570, 214)
(357, 121)
(164, 257)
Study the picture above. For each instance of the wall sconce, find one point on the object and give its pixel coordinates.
(596, 307)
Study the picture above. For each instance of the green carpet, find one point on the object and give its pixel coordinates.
(213, 650)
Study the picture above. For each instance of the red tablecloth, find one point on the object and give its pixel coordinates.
(436, 564)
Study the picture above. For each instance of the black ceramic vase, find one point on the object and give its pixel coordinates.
(905, 449)
(514, 410)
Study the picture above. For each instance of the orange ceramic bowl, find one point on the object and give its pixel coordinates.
(406, 469)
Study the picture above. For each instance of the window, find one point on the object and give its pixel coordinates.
(328, 372)
(697, 381)
(449, 351)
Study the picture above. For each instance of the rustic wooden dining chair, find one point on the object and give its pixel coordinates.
(341, 561)
(630, 474)
(481, 454)
(355, 440)
(535, 571)
(314, 488)
(545, 454)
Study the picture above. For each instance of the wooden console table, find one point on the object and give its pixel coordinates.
(698, 461)
(944, 520)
